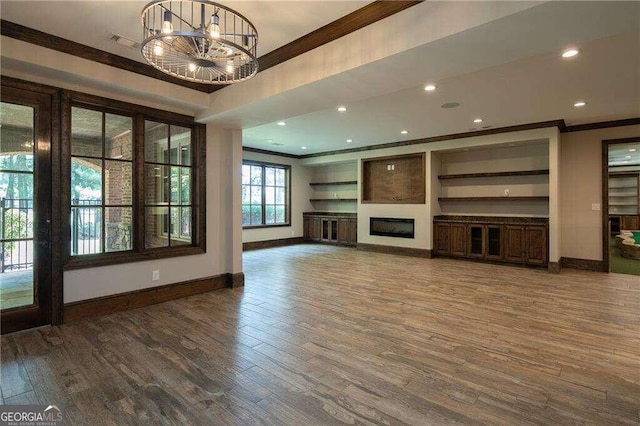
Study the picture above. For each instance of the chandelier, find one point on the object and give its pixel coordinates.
(199, 41)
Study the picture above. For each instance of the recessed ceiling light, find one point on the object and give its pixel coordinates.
(478, 120)
(281, 123)
(404, 132)
(430, 87)
(570, 53)
(625, 162)
(342, 108)
(632, 150)
(304, 147)
(579, 104)
(450, 105)
(628, 156)
(349, 140)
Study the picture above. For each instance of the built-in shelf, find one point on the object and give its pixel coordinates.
(623, 195)
(344, 182)
(623, 187)
(522, 198)
(333, 199)
(496, 174)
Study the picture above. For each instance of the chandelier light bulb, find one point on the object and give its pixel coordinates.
(229, 66)
(167, 26)
(214, 28)
(229, 52)
(157, 49)
(192, 67)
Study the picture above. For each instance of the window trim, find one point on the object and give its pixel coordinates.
(198, 191)
(287, 211)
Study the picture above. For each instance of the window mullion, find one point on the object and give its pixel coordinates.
(139, 199)
(264, 197)
(104, 185)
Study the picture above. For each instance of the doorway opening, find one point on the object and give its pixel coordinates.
(621, 201)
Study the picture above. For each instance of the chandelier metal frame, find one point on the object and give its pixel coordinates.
(199, 41)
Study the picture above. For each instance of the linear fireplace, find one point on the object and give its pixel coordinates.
(391, 227)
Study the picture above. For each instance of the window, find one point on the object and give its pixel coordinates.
(167, 185)
(265, 194)
(134, 183)
(101, 182)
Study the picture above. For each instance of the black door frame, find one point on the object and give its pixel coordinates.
(47, 235)
(605, 196)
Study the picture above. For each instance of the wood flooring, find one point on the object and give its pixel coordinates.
(330, 335)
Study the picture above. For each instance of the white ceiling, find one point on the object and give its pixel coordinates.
(91, 22)
(507, 71)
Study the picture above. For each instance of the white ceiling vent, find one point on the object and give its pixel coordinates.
(132, 44)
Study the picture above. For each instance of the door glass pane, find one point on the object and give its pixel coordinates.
(476, 240)
(16, 149)
(16, 206)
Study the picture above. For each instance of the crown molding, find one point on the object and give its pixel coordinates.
(29, 35)
(367, 15)
(601, 125)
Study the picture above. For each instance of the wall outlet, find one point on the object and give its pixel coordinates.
(506, 192)
(595, 206)
(155, 275)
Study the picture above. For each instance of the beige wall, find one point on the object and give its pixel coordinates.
(300, 194)
(581, 186)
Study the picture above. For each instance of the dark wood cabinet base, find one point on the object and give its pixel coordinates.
(517, 240)
(332, 228)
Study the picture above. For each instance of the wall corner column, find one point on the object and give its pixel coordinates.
(554, 202)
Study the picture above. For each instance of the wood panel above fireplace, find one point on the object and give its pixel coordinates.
(398, 179)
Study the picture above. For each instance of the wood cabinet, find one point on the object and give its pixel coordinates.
(312, 226)
(506, 239)
(335, 228)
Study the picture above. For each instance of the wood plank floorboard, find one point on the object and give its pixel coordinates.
(324, 335)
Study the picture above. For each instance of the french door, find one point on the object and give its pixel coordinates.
(25, 209)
